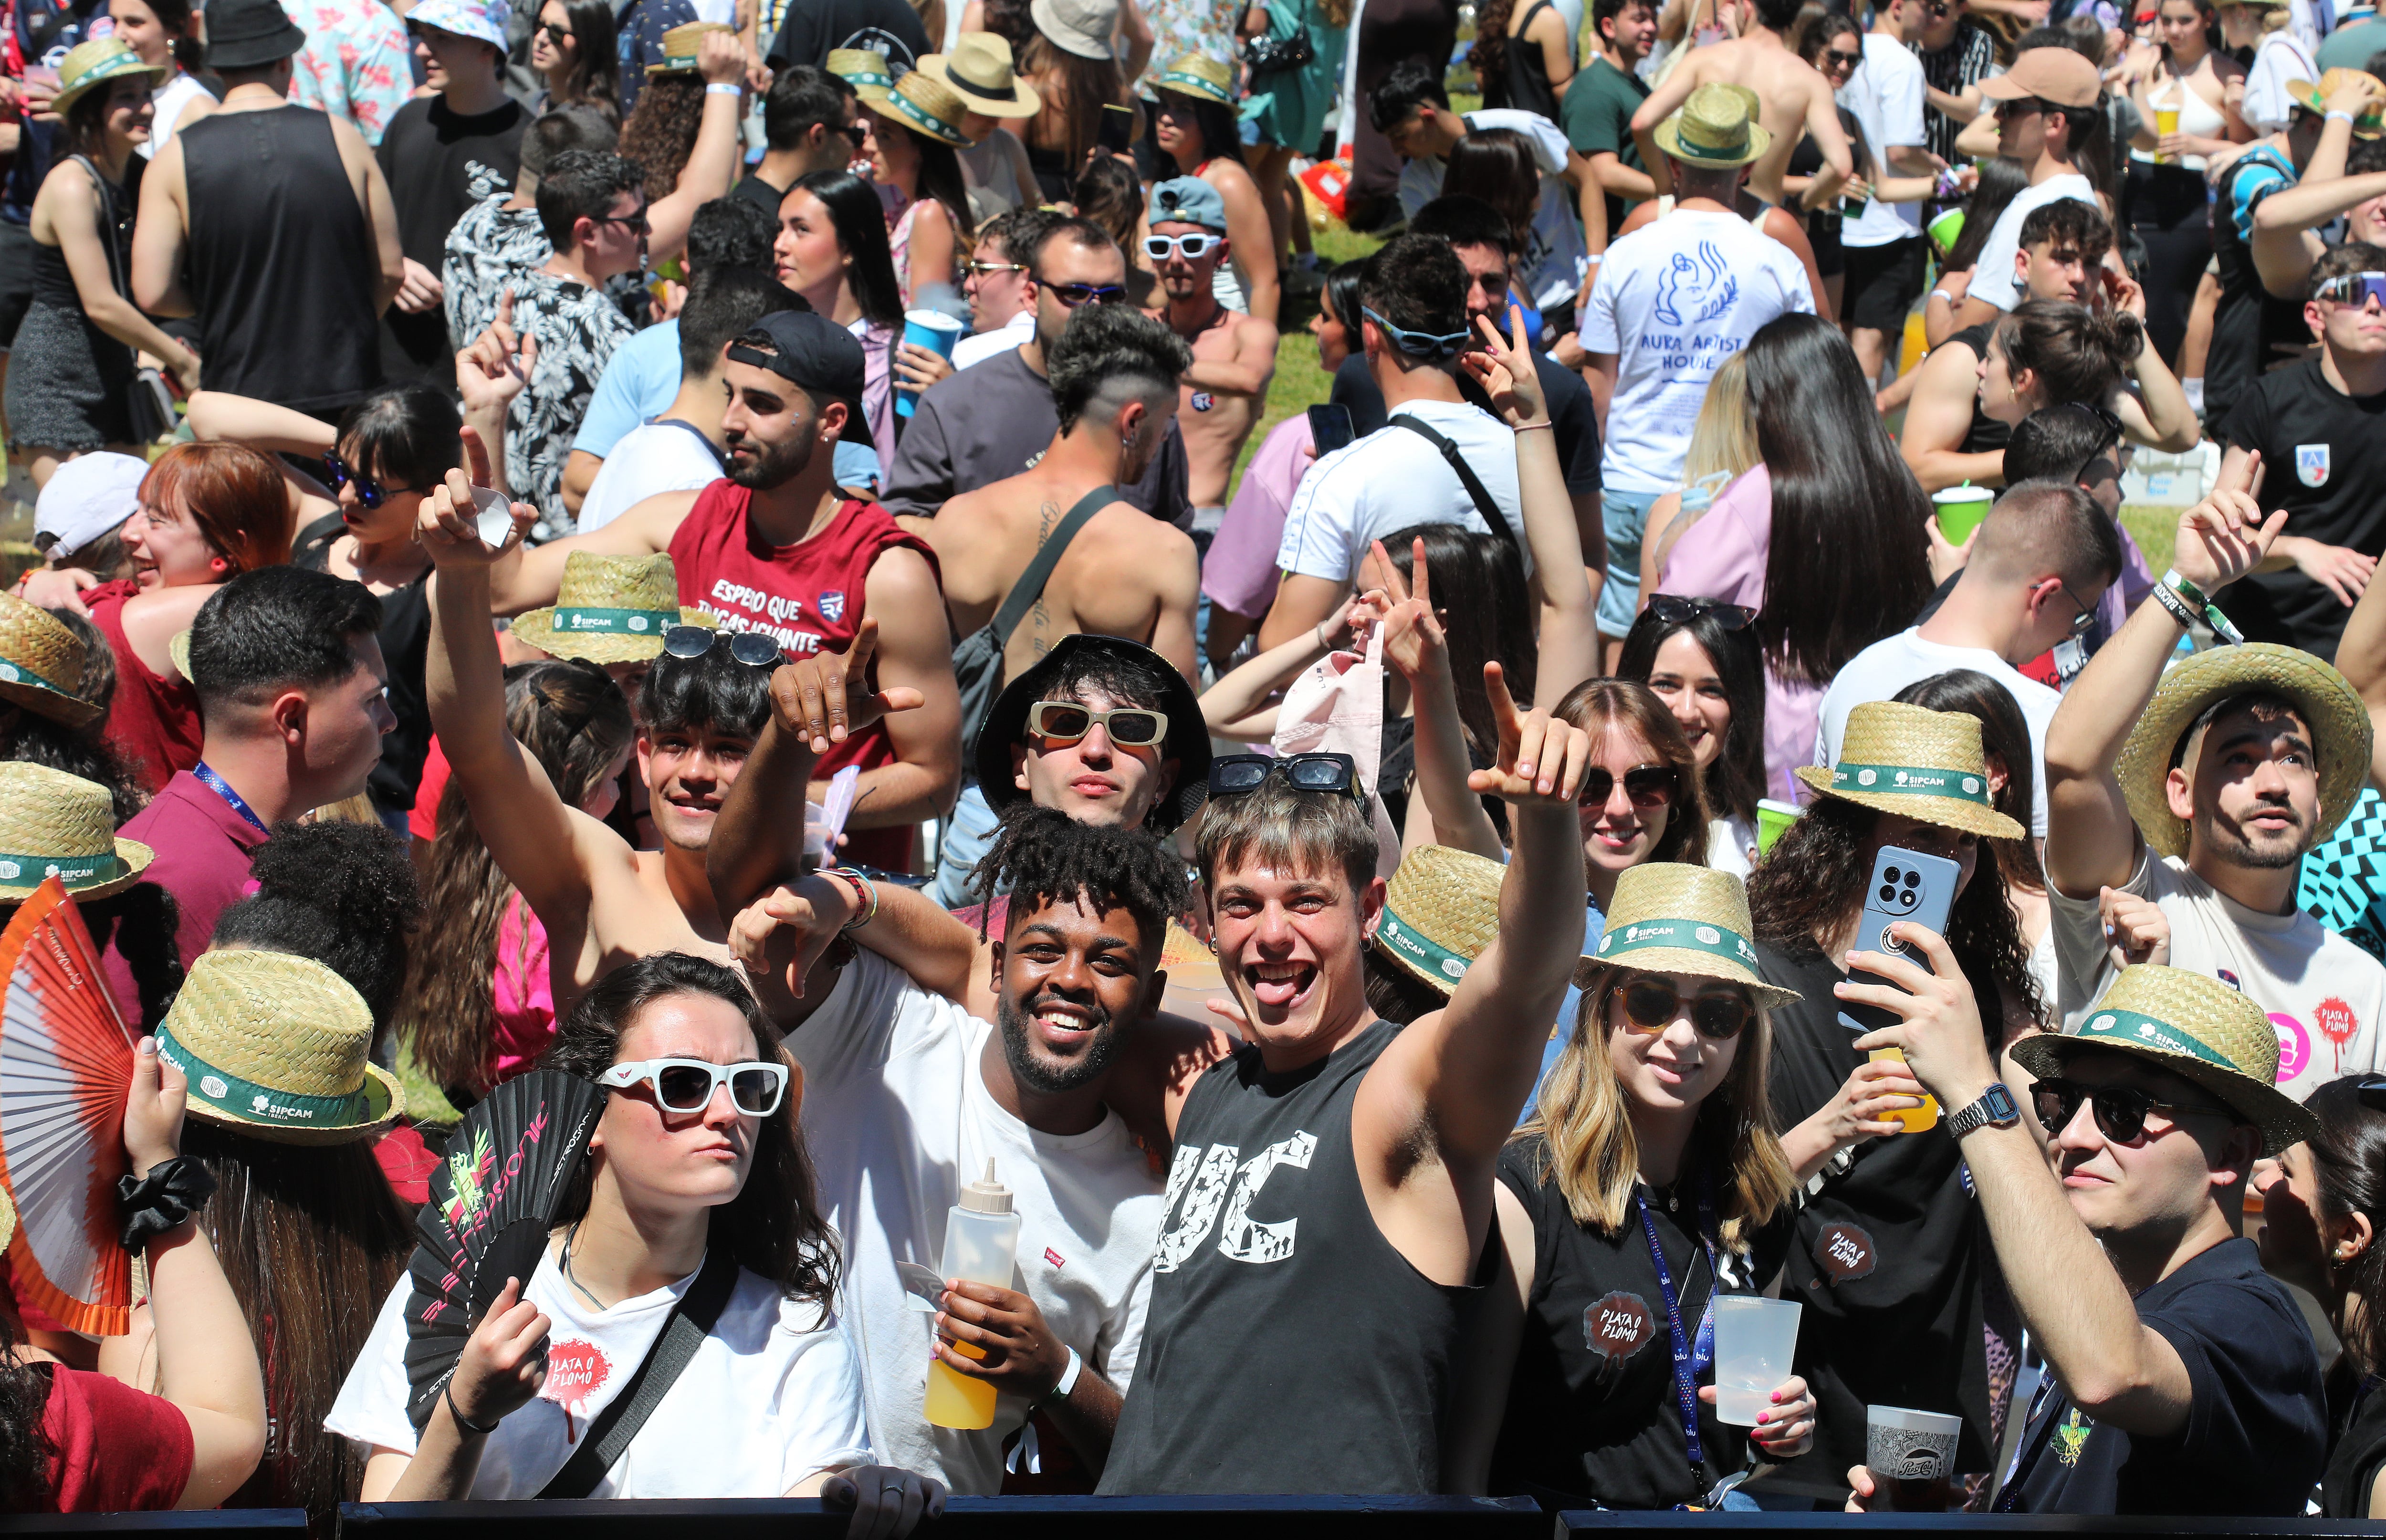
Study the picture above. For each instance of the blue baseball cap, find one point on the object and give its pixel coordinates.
(1188, 200)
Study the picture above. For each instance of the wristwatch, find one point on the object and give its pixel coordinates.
(1996, 1106)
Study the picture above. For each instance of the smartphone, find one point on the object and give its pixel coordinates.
(1118, 127)
(1909, 885)
(1329, 427)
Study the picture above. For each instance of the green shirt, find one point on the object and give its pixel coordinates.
(1597, 118)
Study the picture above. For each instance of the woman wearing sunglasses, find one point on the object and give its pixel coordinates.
(697, 1161)
(574, 52)
(1699, 658)
(1196, 131)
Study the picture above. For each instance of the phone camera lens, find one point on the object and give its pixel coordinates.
(1888, 893)
(1890, 874)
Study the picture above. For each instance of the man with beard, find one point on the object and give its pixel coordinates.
(2200, 789)
(1234, 354)
(776, 549)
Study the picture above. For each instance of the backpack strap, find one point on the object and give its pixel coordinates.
(1484, 503)
(1030, 586)
(607, 1438)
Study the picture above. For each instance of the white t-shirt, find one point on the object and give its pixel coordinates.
(2323, 994)
(1890, 664)
(1553, 269)
(1673, 301)
(167, 103)
(2281, 57)
(979, 346)
(656, 458)
(897, 1116)
(1886, 94)
(772, 1396)
(1992, 278)
(1393, 479)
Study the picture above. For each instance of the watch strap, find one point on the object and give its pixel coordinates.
(1996, 1105)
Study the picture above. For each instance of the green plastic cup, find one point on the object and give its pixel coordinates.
(1946, 230)
(1772, 819)
(1961, 509)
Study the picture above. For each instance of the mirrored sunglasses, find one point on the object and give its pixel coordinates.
(337, 473)
(1072, 295)
(749, 647)
(2353, 288)
(1062, 722)
(1647, 785)
(688, 1084)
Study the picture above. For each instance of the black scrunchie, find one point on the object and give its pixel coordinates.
(172, 1192)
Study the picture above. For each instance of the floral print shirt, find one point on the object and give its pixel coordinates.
(578, 328)
(1182, 27)
(356, 63)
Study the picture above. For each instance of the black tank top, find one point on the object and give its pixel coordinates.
(1289, 1347)
(282, 261)
(53, 282)
(1985, 435)
(1526, 87)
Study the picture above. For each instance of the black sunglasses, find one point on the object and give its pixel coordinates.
(749, 647)
(2120, 1110)
(1648, 786)
(1844, 60)
(1652, 1003)
(636, 222)
(1332, 774)
(2370, 1089)
(857, 132)
(1676, 610)
(556, 34)
(1072, 295)
(2020, 108)
(367, 492)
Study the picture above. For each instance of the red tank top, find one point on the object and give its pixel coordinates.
(153, 722)
(808, 597)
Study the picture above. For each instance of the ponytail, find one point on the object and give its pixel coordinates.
(2077, 354)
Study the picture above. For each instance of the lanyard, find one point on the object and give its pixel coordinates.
(222, 788)
(1692, 1357)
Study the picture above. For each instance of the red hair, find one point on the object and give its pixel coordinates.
(234, 493)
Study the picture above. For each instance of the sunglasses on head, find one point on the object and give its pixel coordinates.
(1652, 1003)
(1676, 610)
(2353, 288)
(1332, 774)
(1432, 346)
(1072, 295)
(976, 269)
(750, 648)
(1647, 785)
(686, 1085)
(1064, 721)
(2120, 1110)
(1160, 249)
(368, 492)
(2371, 1090)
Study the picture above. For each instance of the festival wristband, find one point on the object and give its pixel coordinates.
(2344, 118)
(723, 88)
(1941, 294)
(2177, 605)
(1068, 1381)
(1530, 427)
(2193, 599)
(865, 896)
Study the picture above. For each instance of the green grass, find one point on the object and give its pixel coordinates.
(425, 1103)
(1299, 383)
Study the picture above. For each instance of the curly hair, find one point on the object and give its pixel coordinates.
(659, 133)
(26, 1447)
(774, 1226)
(343, 894)
(1042, 855)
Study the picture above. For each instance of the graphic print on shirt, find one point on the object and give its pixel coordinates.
(1846, 1251)
(1617, 1325)
(741, 607)
(1705, 287)
(2310, 464)
(576, 1371)
(1201, 1179)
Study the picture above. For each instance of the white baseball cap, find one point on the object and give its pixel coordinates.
(89, 497)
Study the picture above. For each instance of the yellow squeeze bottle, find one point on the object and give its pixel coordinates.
(982, 1245)
(1916, 1118)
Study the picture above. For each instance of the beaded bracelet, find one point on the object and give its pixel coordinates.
(865, 893)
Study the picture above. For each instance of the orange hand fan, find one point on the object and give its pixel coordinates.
(65, 1062)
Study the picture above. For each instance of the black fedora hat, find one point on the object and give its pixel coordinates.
(249, 34)
(1187, 741)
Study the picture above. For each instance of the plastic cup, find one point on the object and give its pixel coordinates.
(1773, 820)
(1755, 1341)
(1961, 509)
(1914, 1452)
(1947, 229)
(2166, 121)
(935, 331)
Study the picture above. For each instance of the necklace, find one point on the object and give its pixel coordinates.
(569, 1236)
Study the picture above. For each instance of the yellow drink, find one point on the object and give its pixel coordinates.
(2166, 121)
(956, 1401)
(1916, 1118)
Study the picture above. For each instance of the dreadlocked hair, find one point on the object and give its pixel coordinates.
(1813, 884)
(1041, 855)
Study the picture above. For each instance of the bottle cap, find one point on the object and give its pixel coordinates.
(987, 1196)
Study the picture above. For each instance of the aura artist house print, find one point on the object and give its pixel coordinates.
(1205, 1184)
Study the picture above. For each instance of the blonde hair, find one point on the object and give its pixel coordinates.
(1724, 437)
(1588, 1144)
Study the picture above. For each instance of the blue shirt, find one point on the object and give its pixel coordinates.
(1594, 925)
(639, 26)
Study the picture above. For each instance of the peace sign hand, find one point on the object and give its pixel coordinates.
(1413, 642)
(828, 697)
(1503, 367)
(1541, 758)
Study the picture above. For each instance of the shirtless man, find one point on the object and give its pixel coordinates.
(1234, 354)
(1793, 101)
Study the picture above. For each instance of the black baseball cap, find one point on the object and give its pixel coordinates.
(818, 354)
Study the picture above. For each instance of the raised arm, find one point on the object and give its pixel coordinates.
(2092, 841)
(277, 430)
(2361, 658)
(1413, 648)
(2158, 415)
(712, 164)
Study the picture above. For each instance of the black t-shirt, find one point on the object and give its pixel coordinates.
(1593, 1415)
(404, 648)
(2356, 1441)
(2257, 1420)
(1887, 1255)
(811, 31)
(439, 164)
(2324, 453)
(761, 194)
(1985, 433)
(1572, 420)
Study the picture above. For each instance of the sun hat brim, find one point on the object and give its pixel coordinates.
(135, 855)
(2339, 722)
(1026, 103)
(1669, 140)
(1187, 741)
(57, 704)
(384, 1104)
(178, 647)
(68, 98)
(2282, 1119)
(1066, 35)
(1683, 959)
(537, 628)
(1953, 812)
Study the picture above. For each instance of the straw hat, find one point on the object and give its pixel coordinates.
(278, 1046)
(2306, 94)
(865, 69)
(1669, 917)
(52, 824)
(1079, 27)
(610, 610)
(2339, 723)
(980, 68)
(680, 45)
(41, 663)
(1440, 911)
(926, 106)
(1199, 75)
(178, 647)
(1716, 128)
(2195, 1027)
(96, 63)
(1928, 765)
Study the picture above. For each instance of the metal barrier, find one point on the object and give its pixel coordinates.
(220, 1523)
(1599, 1526)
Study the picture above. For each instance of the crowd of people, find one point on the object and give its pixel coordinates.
(727, 551)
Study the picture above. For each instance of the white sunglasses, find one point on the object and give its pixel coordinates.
(688, 1084)
(1160, 249)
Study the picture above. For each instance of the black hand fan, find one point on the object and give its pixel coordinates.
(494, 1199)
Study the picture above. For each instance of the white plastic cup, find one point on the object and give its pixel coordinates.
(1755, 1341)
(935, 331)
(1906, 1444)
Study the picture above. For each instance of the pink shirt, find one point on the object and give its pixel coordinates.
(1240, 573)
(522, 992)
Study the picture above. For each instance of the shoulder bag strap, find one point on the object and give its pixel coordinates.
(607, 1438)
(1030, 586)
(1484, 504)
(107, 231)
